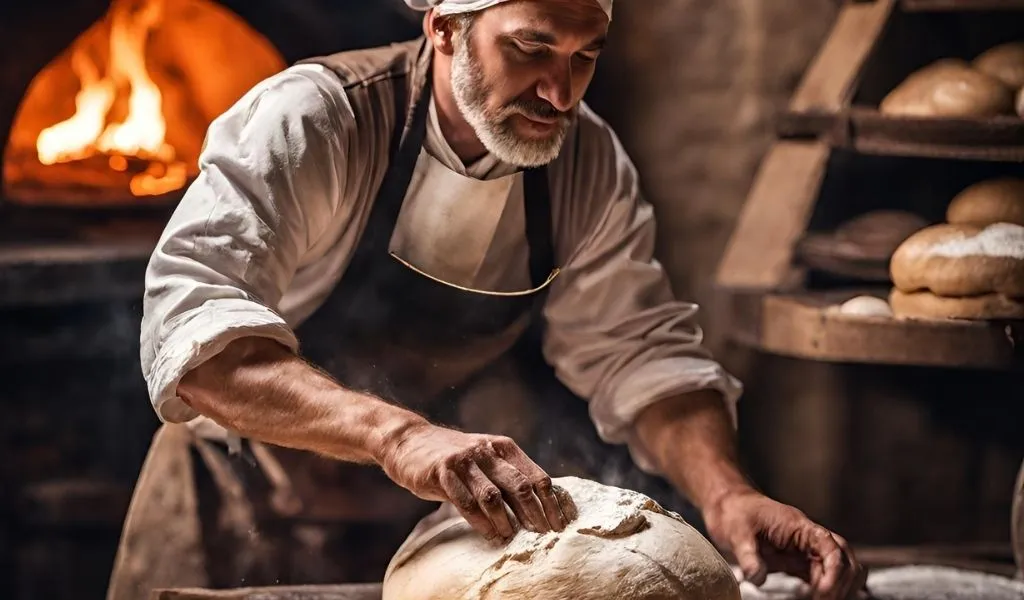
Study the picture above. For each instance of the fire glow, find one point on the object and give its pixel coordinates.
(140, 138)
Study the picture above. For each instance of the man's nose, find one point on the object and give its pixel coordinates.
(556, 86)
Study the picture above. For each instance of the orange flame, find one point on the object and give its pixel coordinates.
(141, 134)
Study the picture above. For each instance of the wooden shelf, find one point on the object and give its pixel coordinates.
(367, 591)
(802, 325)
(864, 129)
(874, 46)
(960, 5)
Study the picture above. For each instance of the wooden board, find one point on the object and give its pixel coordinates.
(370, 591)
(774, 217)
(802, 326)
(992, 139)
(950, 5)
(985, 558)
(829, 83)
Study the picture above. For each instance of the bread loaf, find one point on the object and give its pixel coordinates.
(999, 200)
(926, 305)
(962, 260)
(949, 88)
(620, 545)
(1005, 62)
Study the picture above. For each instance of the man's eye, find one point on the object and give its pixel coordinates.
(587, 58)
(530, 49)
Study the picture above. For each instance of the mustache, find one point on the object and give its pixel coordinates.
(536, 108)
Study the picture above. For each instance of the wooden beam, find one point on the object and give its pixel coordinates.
(760, 252)
(369, 591)
(829, 83)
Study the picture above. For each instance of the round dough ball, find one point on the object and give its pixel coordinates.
(949, 88)
(962, 260)
(1005, 62)
(621, 545)
(926, 305)
(865, 306)
(991, 201)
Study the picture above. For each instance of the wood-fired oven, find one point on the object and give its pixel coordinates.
(103, 109)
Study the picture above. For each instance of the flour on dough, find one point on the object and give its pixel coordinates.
(621, 544)
(1001, 240)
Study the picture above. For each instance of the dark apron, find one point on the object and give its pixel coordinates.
(202, 517)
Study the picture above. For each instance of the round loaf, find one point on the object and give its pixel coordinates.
(1005, 62)
(949, 88)
(962, 260)
(926, 305)
(620, 545)
(999, 200)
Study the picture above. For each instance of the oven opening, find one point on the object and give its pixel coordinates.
(119, 117)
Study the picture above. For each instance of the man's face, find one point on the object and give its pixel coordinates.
(520, 71)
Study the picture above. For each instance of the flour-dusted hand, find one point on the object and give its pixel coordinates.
(766, 536)
(483, 476)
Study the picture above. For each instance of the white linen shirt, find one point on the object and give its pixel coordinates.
(287, 178)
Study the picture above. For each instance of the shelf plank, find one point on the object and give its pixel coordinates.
(309, 592)
(803, 326)
(992, 139)
(959, 5)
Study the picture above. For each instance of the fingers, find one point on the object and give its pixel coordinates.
(749, 560)
(829, 573)
(855, 575)
(490, 499)
(554, 512)
(467, 505)
(519, 494)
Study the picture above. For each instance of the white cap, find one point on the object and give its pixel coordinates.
(451, 7)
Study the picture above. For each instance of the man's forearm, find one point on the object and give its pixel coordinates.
(693, 442)
(261, 390)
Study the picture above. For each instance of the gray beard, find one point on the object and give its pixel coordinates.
(495, 130)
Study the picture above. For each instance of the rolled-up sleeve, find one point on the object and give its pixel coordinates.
(615, 334)
(267, 185)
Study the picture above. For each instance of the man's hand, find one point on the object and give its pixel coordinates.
(766, 536)
(478, 474)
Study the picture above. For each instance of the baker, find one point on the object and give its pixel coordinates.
(369, 235)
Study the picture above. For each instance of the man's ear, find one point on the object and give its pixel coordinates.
(440, 30)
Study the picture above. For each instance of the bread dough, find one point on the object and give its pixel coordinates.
(962, 260)
(991, 201)
(622, 545)
(949, 88)
(926, 305)
(865, 306)
(1005, 62)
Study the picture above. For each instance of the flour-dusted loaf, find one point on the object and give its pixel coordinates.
(621, 545)
(926, 305)
(949, 88)
(1005, 62)
(962, 260)
(999, 200)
